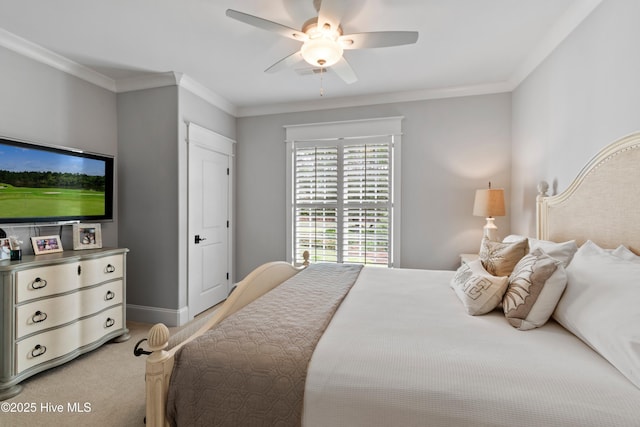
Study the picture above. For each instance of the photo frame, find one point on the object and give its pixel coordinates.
(5, 248)
(46, 244)
(87, 236)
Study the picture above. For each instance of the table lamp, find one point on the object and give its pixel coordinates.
(489, 203)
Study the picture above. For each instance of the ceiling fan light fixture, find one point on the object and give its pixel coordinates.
(323, 40)
(321, 51)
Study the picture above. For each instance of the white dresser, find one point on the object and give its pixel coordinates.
(56, 307)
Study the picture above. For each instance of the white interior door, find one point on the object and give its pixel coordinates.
(209, 258)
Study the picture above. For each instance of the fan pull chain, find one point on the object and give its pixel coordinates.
(321, 63)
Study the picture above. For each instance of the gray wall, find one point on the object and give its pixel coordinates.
(41, 104)
(585, 95)
(450, 148)
(153, 196)
(148, 170)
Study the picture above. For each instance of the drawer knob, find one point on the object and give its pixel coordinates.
(109, 296)
(38, 283)
(38, 350)
(110, 322)
(39, 317)
(109, 268)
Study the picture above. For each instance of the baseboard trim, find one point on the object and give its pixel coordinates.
(145, 314)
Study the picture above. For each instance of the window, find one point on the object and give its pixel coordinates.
(342, 205)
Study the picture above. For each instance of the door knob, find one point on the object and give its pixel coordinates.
(199, 239)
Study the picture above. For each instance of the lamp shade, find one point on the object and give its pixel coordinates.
(489, 202)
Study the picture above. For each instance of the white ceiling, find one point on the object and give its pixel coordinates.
(464, 46)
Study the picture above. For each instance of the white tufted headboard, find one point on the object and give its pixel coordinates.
(602, 204)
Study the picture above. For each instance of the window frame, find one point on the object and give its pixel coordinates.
(331, 133)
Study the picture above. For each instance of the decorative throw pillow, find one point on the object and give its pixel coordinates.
(563, 251)
(499, 258)
(479, 291)
(600, 306)
(535, 286)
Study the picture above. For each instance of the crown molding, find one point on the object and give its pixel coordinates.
(45, 56)
(146, 81)
(568, 22)
(172, 78)
(152, 80)
(382, 98)
(38, 53)
(207, 94)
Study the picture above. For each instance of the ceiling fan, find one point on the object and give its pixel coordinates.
(323, 41)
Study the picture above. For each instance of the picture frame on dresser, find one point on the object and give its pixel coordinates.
(87, 236)
(5, 248)
(46, 244)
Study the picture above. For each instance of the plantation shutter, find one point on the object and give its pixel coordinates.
(367, 203)
(342, 200)
(343, 191)
(316, 203)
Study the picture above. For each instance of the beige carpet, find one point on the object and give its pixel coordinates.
(107, 384)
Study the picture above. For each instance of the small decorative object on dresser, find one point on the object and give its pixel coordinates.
(15, 250)
(46, 244)
(87, 236)
(5, 249)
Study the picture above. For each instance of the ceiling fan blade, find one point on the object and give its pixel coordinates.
(378, 39)
(285, 62)
(265, 24)
(331, 12)
(344, 71)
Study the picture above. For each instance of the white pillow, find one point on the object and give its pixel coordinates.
(600, 305)
(563, 251)
(626, 254)
(479, 291)
(535, 286)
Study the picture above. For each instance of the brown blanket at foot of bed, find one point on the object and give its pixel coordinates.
(250, 370)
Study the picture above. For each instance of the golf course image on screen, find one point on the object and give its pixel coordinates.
(39, 183)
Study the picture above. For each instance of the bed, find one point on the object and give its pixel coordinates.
(402, 347)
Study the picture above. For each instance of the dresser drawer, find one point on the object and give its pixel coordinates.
(43, 314)
(46, 346)
(102, 269)
(45, 281)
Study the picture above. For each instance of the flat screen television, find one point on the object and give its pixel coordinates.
(41, 183)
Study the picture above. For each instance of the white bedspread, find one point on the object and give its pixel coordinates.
(401, 351)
